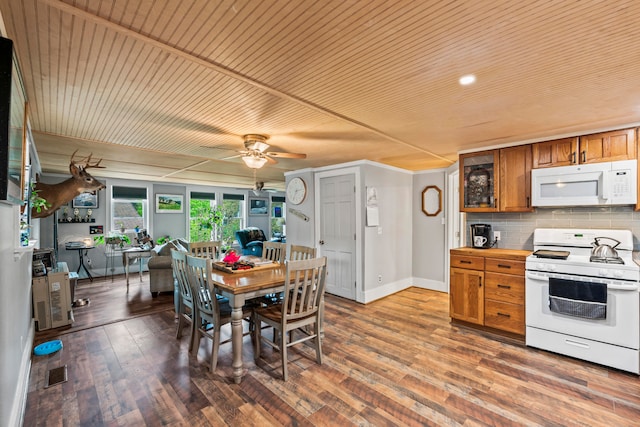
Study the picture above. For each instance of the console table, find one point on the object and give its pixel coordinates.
(82, 251)
(132, 254)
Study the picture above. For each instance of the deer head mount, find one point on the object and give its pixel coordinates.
(60, 194)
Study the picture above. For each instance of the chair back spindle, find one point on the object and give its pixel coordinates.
(205, 249)
(299, 252)
(274, 251)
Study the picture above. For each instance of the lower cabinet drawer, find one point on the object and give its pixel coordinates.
(504, 287)
(504, 316)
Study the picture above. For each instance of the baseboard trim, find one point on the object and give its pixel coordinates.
(16, 418)
(386, 290)
(433, 285)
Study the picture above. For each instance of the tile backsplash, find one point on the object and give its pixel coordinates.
(516, 229)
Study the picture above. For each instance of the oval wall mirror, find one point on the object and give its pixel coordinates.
(431, 200)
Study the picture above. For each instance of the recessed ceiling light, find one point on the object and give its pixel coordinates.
(467, 80)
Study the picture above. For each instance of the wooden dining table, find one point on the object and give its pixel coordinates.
(239, 287)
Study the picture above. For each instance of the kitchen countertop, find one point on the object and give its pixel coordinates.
(515, 254)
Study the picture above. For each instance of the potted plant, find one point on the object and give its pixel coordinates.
(112, 238)
(37, 202)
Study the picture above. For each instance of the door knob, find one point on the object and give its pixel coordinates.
(321, 242)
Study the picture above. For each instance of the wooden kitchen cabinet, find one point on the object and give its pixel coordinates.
(515, 179)
(496, 180)
(608, 146)
(559, 152)
(594, 148)
(487, 288)
(466, 300)
(504, 295)
(479, 180)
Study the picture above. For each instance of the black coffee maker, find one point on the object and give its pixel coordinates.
(481, 236)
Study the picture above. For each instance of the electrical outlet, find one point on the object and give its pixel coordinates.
(379, 278)
(496, 235)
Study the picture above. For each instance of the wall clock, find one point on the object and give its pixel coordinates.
(296, 190)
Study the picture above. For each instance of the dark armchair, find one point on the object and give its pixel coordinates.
(250, 240)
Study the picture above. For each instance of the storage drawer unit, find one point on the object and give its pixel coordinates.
(501, 305)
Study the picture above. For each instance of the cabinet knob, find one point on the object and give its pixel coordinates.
(504, 314)
(573, 158)
(583, 156)
(504, 286)
(504, 266)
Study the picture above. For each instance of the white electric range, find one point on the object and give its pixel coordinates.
(581, 307)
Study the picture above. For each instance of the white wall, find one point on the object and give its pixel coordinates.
(299, 231)
(16, 325)
(429, 234)
(387, 248)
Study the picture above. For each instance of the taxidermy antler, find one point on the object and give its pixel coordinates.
(57, 195)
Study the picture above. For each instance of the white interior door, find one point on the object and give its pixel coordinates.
(337, 237)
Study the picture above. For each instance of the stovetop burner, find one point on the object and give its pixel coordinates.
(610, 260)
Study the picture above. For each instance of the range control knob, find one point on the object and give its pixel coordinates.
(603, 272)
(552, 267)
(618, 273)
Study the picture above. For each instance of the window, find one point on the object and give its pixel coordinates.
(129, 208)
(232, 217)
(278, 216)
(203, 215)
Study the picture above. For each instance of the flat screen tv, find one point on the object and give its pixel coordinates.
(12, 117)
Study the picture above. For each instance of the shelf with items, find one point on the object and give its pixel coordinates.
(76, 221)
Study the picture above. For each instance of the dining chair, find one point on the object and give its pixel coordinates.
(210, 313)
(205, 249)
(299, 252)
(303, 294)
(274, 251)
(185, 297)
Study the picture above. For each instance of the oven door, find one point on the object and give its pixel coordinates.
(579, 312)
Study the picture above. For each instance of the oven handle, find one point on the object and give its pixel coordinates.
(623, 287)
(616, 287)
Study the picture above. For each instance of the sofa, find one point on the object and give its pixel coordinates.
(250, 240)
(160, 271)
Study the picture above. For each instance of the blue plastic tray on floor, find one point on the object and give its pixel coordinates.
(47, 348)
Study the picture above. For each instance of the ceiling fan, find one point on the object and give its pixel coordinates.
(255, 154)
(258, 186)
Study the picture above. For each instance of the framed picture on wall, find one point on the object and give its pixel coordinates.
(85, 200)
(169, 203)
(258, 206)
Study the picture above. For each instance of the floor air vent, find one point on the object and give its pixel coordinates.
(56, 376)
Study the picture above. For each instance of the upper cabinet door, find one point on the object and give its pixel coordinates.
(479, 181)
(608, 146)
(515, 179)
(559, 152)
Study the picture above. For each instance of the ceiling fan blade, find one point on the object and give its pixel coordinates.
(232, 157)
(287, 155)
(270, 159)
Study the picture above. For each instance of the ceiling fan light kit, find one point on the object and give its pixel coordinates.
(254, 162)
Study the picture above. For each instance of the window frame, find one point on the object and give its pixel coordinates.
(146, 213)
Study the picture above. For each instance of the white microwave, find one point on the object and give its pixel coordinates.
(594, 184)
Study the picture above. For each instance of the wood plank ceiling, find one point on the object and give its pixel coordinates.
(164, 90)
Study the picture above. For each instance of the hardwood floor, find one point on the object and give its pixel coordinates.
(396, 361)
